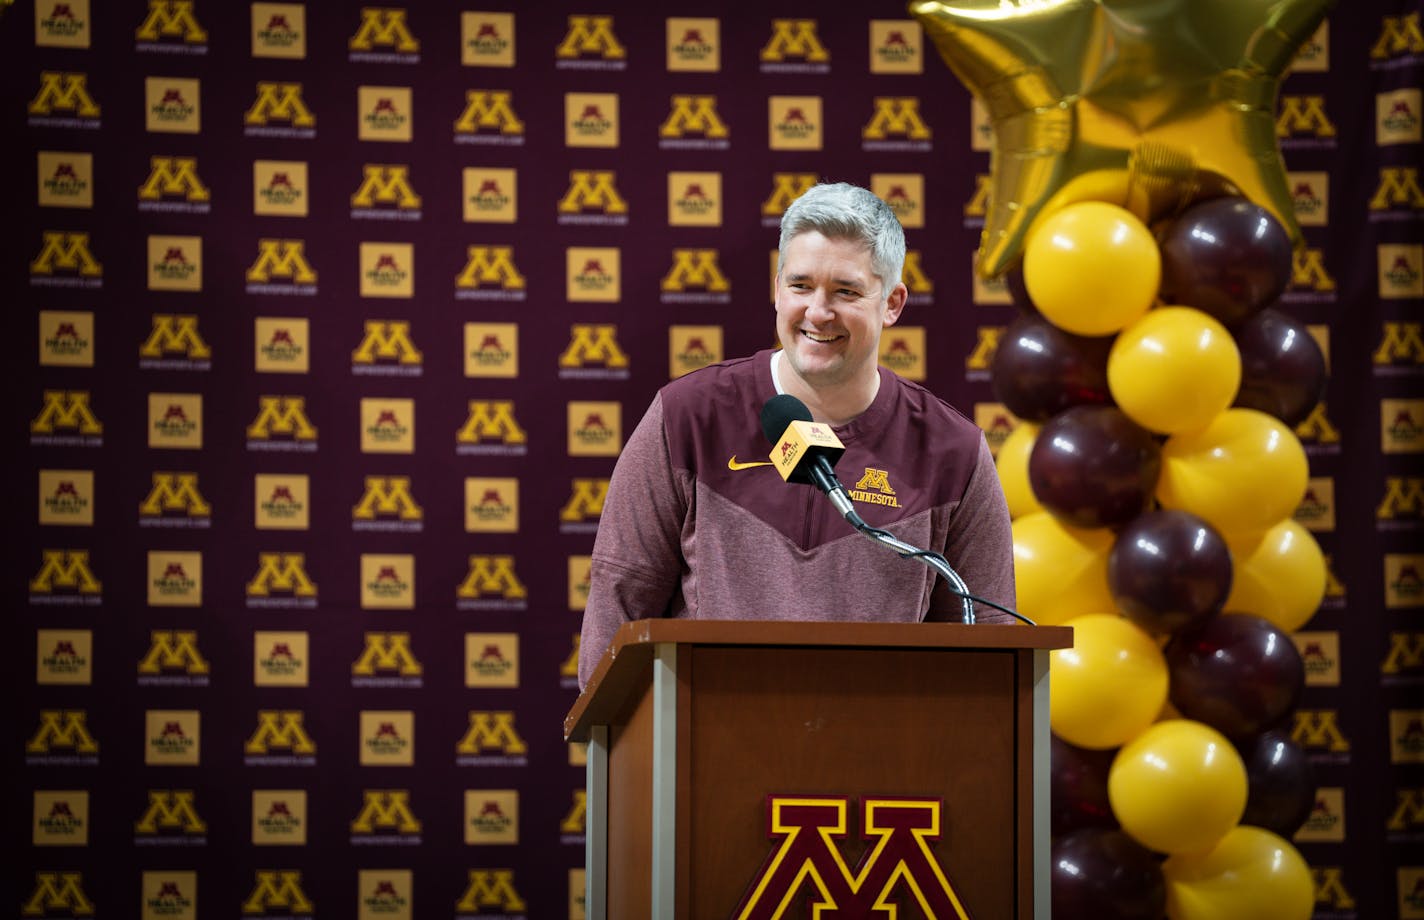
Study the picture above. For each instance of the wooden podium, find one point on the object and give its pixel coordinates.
(739, 768)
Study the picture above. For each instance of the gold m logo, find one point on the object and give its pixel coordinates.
(281, 259)
(281, 415)
(66, 252)
(385, 27)
(576, 821)
(1402, 496)
(1334, 587)
(281, 890)
(1409, 810)
(280, 102)
(174, 492)
(64, 569)
(64, 92)
(914, 277)
(1401, 342)
(794, 38)
(387, 652)
(387, 497)
(280, 730)
(593, 344)
(171, 19)
(491, 889)
(1399, 186)
(386, 341)
(695, 115)
(595, 190)
(1308, 270)
(490, 265)
(62, 729)
(786, 188)
(978, 205)
(1329, 882)
(491, 731)
(875, 479)
(174, 335)
(1406, 653)
(1319, 728)
(492, 575)
(1303, 114)
(488, 110)
(173, 176)
(1317, 427)
(586, 501)
(493, 421)
(900, 857)
(984, 349)
(66, 409)
(170, 810)
(591, 35)
(386, 809)
(1398, 35)
(280, 572)
(58, 891)
(897, 115)
(385, 185)
(695, 268)
(171, 651)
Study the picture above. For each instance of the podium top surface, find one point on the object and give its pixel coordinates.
(632, 648)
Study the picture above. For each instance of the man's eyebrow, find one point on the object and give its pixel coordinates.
(840, 282)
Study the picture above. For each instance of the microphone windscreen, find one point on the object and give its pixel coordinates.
(780, 411)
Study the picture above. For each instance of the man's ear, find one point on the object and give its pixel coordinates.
(896, 303)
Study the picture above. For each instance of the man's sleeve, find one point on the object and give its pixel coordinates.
(637, 559)
(979, 546)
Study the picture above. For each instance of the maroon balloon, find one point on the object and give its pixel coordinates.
(1092, 466)
(1039, 370)
(1169, 571)
(1227, 257)
(1281, 784)
(1237, 673)
(1079, 788)
(1282, 367)
(1101, 874)
(1014, 280)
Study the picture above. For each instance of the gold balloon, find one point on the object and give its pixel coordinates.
(1178, 787)
(1251, 874)
(1150, 106)
(1109, 686)
(1174, 370)
(1012, 464)
(1244, 472)
(1093, 269)
(1060, 572)
(1278, 575)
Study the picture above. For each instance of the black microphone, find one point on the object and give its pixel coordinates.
(803, 449)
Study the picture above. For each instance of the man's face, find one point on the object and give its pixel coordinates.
(830, 309)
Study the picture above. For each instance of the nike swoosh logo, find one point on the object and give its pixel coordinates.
(734, 464)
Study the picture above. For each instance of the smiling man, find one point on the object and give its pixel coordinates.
(696, 522)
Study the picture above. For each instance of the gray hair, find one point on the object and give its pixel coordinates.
(841, 211)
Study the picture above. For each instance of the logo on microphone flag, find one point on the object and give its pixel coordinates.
(797, 440)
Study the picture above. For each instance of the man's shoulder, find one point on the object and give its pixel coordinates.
(919, 405)
(703, 390)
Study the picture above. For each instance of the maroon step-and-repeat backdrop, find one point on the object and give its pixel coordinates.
(342, 314)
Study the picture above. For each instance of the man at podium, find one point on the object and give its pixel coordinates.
(698, 524)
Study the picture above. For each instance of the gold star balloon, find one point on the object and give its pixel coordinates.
(1148, 104)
